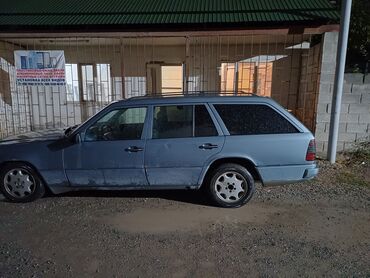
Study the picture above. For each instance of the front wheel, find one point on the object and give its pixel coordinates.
(20, 183)
(231, 185)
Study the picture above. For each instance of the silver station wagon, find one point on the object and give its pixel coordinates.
(220, 143)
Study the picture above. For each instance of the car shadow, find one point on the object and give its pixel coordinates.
(198, 197)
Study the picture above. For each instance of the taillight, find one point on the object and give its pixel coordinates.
(311, 151)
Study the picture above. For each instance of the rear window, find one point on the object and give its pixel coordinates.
(250, 119)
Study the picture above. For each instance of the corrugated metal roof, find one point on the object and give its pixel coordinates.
(62, 13)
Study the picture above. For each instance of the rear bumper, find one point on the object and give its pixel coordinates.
(310, 173)
(277, 175)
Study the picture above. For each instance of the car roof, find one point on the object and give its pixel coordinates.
(191, 98)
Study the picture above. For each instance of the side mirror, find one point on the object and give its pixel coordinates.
(77, 138)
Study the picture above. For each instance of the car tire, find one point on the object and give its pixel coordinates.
(20, 183)
(231, 186)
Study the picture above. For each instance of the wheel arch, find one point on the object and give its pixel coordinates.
(245, 162)
(2, 164)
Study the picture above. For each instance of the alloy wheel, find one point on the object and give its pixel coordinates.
(230, 187)
(19, 183)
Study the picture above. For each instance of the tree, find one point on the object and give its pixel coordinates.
(358, 55)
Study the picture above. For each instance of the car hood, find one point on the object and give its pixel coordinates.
(43, 135)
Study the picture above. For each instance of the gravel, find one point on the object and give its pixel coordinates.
(315, 228)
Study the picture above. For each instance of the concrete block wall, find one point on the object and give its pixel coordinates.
(325, 90)
(354, 117)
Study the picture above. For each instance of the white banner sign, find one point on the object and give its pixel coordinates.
(40, 67)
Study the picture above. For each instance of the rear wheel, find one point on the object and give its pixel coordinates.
(20, 183)
(231, 185)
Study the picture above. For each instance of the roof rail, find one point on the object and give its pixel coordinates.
(196, 93)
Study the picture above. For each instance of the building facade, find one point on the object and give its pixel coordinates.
(122, 49)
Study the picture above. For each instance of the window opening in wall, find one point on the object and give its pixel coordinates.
(87, 76)
(96, 82)
(172, 79)
(252, 75)
(104, 84)
(71, 74)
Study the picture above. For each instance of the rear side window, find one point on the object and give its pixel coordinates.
(182, 121)
(203, 122)
(250, 119)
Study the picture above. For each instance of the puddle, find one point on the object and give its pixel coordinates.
(186, 219)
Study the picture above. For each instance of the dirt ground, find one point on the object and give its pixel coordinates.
(316, 228)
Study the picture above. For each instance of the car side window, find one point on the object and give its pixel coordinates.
(120, 124)
(251, 119)
(204, 125)
(175, 121)
(182, 121)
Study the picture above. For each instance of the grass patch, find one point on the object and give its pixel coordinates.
(352, 179)
(360, 154)
(356, 166)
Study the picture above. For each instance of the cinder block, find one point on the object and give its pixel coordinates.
(342, 127)
(321, 127)
(361, 137)
(349, 118)
(347, 87)
(358, 89)
(364, 118)
(356, 78)
(365, 98)
(340, 146)
(323, 108)
(323, 118)
(344, 108)
(347, 137)
(367, 88)
(351, 98)
(367, 79)
(321, 136)
(349, 146)
(356, 128)
(359, 108)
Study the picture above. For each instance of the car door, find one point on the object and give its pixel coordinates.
(111, 151)
(183, 138)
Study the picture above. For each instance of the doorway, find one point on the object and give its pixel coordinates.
(165, 78)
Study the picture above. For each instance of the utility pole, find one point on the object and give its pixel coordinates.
(339, 78)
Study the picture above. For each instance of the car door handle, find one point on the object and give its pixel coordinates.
(133, 149)
(208, 146)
